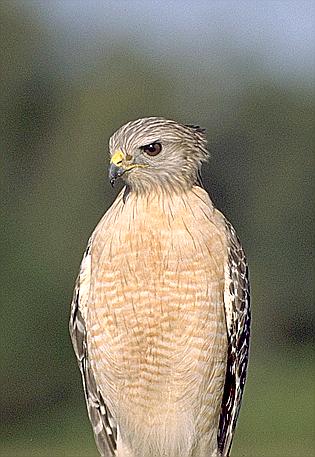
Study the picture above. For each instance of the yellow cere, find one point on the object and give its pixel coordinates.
(117, 157)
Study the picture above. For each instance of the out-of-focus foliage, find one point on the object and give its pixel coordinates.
(53, 143)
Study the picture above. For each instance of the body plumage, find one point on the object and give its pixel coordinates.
(157, 305)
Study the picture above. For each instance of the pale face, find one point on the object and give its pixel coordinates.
(154, 152)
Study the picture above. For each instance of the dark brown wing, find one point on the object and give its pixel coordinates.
(103, 424)
(238, 316)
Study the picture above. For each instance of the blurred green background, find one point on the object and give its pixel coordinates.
(71, 73)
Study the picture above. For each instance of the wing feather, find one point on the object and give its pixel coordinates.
(238, 316)
(103, 424)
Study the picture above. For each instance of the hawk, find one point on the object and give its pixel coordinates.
(160, 317)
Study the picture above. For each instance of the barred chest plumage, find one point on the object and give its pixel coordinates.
(157, 334)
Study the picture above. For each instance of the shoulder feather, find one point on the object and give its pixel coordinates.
(103, 424)
(238, 316)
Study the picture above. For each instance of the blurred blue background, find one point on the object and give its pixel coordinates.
(72, 72)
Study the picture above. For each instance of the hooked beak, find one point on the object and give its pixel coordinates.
(118, 166)
(116, 169)
(115, 173)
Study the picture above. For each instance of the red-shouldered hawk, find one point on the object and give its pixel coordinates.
(160, 316)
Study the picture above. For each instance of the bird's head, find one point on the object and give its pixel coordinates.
(153, 153)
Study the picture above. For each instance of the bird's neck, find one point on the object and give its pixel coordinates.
(161, 188)
(165, 200)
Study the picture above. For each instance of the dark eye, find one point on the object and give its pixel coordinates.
(152, 149)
